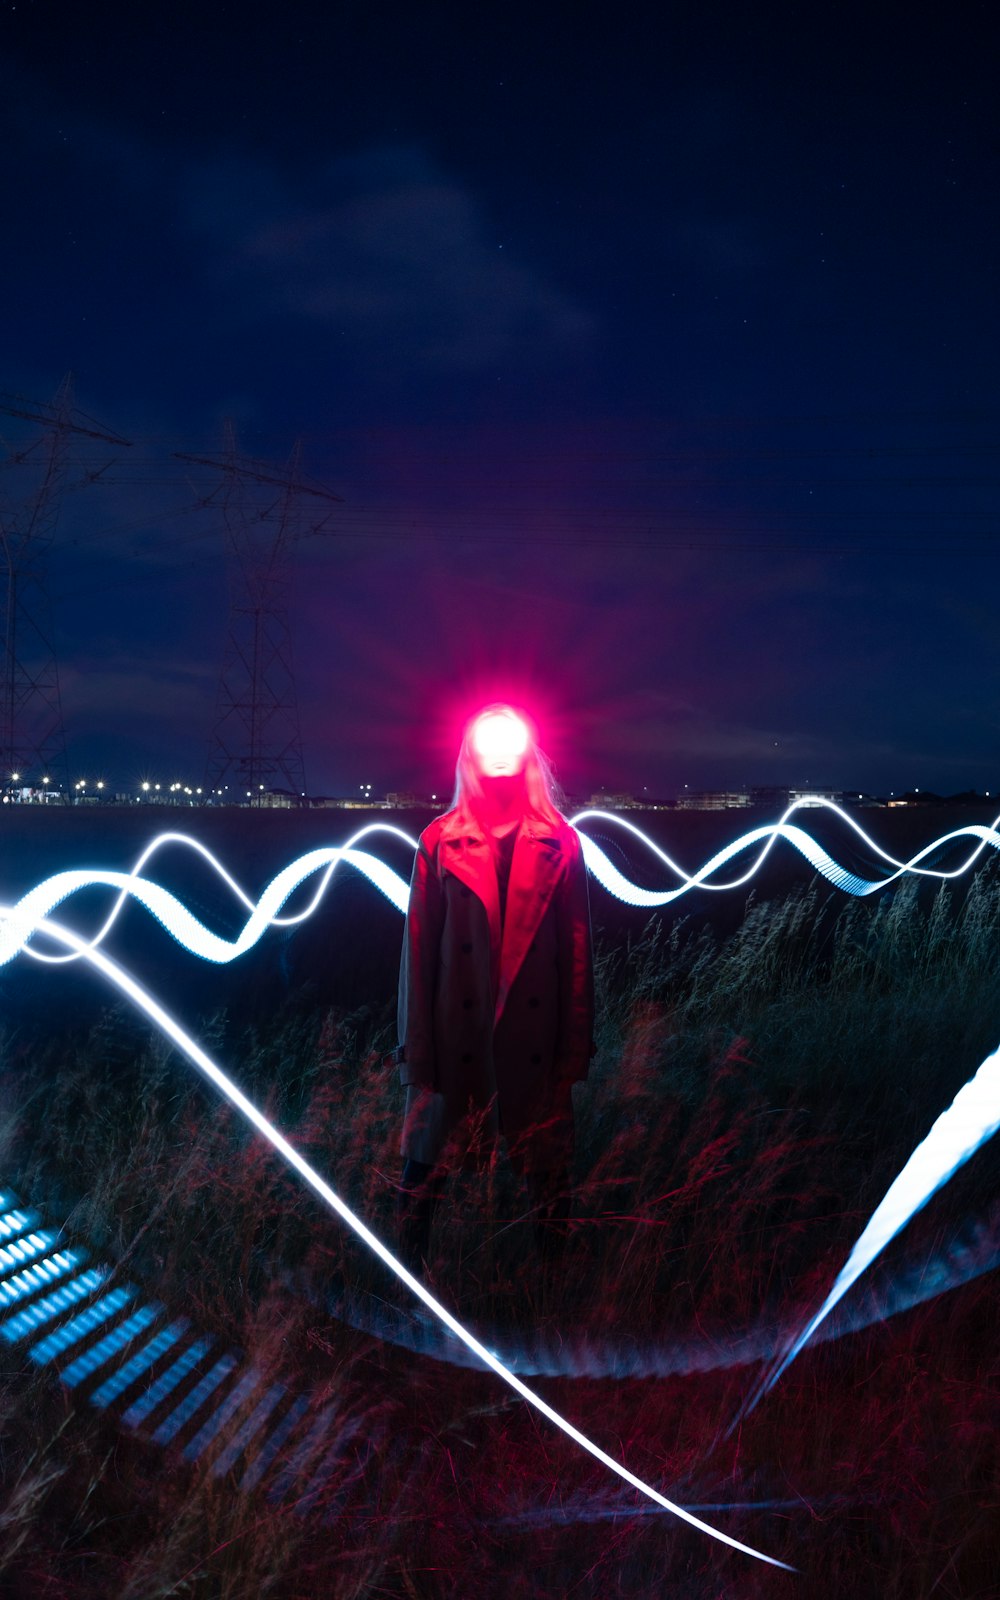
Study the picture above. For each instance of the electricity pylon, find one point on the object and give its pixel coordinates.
(32, 731)
(256, 743)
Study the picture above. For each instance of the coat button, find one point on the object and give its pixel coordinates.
(466, 1058)
(467, 1005)
(534, 1002)
(467, 947)
(536, 1060)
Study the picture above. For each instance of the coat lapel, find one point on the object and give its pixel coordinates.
(534, 874)
(466, 854)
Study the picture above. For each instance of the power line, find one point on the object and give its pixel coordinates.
(257, 741)
(32, 731)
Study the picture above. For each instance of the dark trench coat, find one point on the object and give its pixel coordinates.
(499, 1025)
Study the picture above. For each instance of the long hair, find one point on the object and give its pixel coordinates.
(541, 792)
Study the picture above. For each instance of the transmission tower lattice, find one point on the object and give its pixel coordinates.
(256, 744)
(32, 731)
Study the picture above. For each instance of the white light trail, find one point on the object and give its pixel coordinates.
(22, 921)
(17, 931)
(617, 884)
(169, 1026)
(972, 1118)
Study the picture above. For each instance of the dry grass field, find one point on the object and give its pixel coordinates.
(751, 1100)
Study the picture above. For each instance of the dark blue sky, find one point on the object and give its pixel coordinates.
(652, 353)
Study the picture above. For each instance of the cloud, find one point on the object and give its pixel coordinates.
(386, 248)
(117, 691)
(389, 251)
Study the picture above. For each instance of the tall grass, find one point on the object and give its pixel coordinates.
(750, 1101)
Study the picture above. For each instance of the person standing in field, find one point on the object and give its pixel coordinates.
(496, 987)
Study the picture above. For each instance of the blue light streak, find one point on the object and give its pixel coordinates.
(273, 1443)
(77, 1328)
(35, 1278)
(15, 1255)
(53, 1305)
(194, 1400)
(972, 1118)
(21, 923)
(15, 1222)
(240, 1392)
(109, 1346)
(136, 1365)
(165, 1384)
(247, 1430)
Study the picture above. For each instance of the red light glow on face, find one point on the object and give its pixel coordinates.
(500, 742)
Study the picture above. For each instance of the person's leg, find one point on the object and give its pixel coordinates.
(540, 1145)
(416, 1198)
(550, 1194)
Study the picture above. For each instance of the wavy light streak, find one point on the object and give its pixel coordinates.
(265, 912)
(617, 884)
(22, 921)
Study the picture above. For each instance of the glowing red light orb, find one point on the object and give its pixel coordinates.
(500, 740)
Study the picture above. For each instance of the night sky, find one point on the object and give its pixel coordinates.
(651, 350)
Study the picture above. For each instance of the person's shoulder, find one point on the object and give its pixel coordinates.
(560, 832)
(431, 836)
(570, 840)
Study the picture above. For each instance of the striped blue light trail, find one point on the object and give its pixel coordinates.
(293, 1157)
(214, 1424)
(304, 1452)
(15, 1222)
(37, 1277)
(53, 1305)
(283, 1431)
(109, 1346)
(252, 1425)
(136, 1365)
(192, 1402)
(77, 1328)
(140, 1409)
(15, 1255)
(141, 1341)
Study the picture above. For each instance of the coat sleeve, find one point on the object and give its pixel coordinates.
(575, 1044)
(418, 973)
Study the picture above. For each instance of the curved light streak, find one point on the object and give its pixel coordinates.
(617, 884)
(578, 1353)
(265, 913)
(19, 924)
(169, 1026)
(972, 1118)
